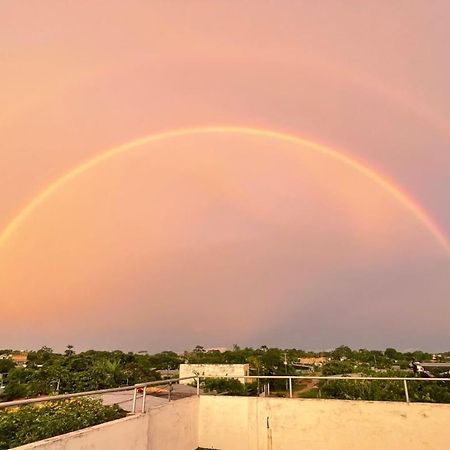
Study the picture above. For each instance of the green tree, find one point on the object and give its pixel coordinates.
(69, 350)
(337, 368)
(391, 353)
(198, 349)
(342, 352)
(228, 386)
(6, 365)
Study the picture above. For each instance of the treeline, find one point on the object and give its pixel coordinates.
(48, 372)
(343, 359)
(389, 390)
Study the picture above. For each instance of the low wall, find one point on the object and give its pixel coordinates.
(251, 423)
(244, 423)
(174, 426)
(127, 433)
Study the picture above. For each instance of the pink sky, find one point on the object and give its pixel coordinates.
(224, 239)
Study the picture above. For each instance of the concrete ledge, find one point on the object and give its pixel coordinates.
(248, 423)
(252, 423)
(171, 426)
(128, 433)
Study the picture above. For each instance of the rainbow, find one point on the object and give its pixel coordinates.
(408, 203)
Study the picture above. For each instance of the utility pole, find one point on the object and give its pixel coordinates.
(285, 369)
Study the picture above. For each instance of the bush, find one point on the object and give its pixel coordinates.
(228, 386)
(435, 392)
(26, 424)
(337, 368)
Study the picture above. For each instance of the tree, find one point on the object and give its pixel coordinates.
(256, 363)
(229, 386)
(42, 356)
(6, 365)
(69, 350)
(198, 349)
(337, 368)
(17, 385)
(391, 353)
(342, 352)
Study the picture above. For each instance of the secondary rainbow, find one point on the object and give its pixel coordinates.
(408, 203)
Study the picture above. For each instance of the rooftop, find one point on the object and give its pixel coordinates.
(246, 423)
(251, 423)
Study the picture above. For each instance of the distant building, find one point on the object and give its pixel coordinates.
(168, 373)
(314, 361)
(19, 359)
(214, 370)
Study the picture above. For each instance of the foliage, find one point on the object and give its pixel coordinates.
(48, 372)
(6, 365)
(337, 368)
(389, 390)
(19, 426)
(229, 386)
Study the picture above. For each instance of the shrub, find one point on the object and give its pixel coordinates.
(389, 390)
(30, 423)
(228, 386)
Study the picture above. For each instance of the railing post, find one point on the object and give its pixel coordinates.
(144, 393)
(290, 387)
(198, 385)
(170, 391)
(133, 408)
(405, 384)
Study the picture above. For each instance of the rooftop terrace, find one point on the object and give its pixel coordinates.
(269, 423)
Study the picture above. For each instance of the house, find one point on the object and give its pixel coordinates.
(20, 359)
(314, 361)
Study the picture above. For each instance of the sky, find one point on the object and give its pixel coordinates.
(305, 204)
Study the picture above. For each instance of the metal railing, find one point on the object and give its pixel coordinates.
(144, 386)
(405, 380)
(197, 378)
(135, 388)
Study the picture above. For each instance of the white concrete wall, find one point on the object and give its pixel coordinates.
(250, 423)
(174, 426)
(245, 423)
(127, 433)
(214, 370)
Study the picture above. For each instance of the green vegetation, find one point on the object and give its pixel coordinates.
(226, 386)
(435, 392)
(19, 426)
(48, 372)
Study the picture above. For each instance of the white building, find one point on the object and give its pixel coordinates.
(214, 370)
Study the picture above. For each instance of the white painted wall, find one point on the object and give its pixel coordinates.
(250, 423)
(174, 426)
(127, 433)
(214, 370)
(246, 423)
